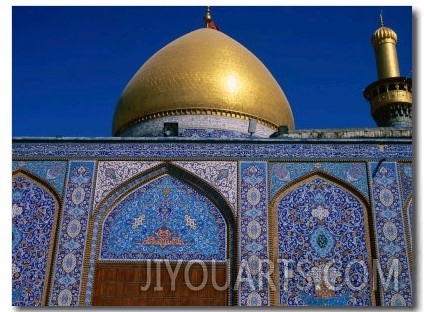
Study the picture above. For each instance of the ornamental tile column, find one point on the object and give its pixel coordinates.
(390, 234)
(67, 274)
(253, 225)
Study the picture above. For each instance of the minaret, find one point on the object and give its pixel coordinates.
(391, 95)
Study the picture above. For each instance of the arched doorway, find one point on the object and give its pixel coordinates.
(322, 243)
(164, 239)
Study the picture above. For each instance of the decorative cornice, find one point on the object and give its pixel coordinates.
(237, 149)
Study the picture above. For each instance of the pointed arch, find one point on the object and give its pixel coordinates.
(50, 209)
(130, 186)
(408, 224)
(175, 170)
(347, 188)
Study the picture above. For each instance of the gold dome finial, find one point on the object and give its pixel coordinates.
(208, 17)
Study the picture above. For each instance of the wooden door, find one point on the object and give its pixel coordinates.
(118, 284)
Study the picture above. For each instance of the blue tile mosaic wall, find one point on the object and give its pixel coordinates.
(67, 273)
(52, 171)
(165, 219)
(253, 223)
(390, 232)
(322, 241)
(247, 175)
(33, 215)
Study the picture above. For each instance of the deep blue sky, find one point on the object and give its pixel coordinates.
(70, 64)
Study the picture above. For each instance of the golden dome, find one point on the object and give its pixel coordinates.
(204, 72)
(383, 34)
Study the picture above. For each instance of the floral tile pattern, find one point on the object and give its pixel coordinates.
(253, 222)
(72, 236)
(321, 231)
(164, 219)
(391, 241)
(33, 212)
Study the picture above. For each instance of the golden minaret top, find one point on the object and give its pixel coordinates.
(391, 95)
(384, 42)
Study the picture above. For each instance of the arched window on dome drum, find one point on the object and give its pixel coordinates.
(322, 243)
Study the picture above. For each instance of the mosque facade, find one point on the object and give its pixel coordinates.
(207, 195)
